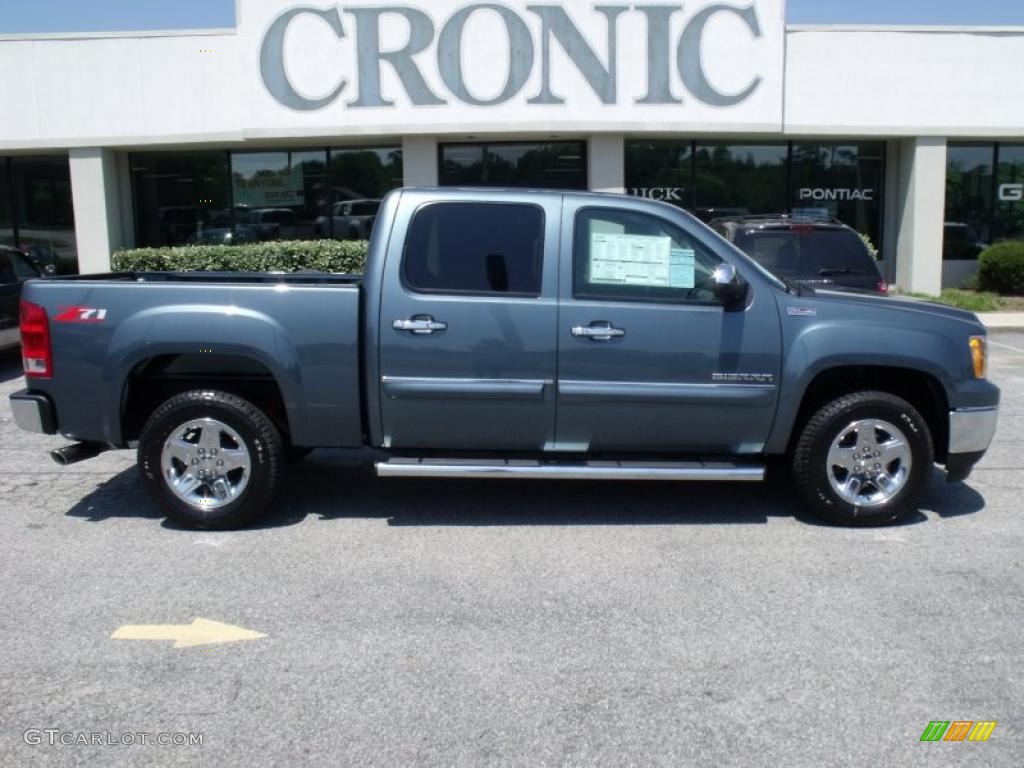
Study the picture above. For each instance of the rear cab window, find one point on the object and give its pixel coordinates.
(475, 248)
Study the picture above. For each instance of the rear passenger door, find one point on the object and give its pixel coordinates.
(467, 325)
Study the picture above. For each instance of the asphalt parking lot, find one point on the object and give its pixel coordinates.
(473, 623)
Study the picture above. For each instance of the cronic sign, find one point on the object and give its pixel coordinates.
(664, 53)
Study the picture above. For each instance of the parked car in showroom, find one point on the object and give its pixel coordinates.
(223, 236)
(822, 253)
(15, 269)
(349, 220)
(272, 223)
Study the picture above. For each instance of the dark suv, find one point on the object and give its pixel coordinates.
(15, 269)
(822, 253)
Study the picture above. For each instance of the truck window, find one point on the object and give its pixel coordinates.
(626, 256)
(23, 268)
(480, 248)
(6, 273)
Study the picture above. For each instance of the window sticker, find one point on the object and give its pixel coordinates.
(632, 260)
(681, 268)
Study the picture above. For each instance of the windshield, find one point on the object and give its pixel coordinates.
(808, 252)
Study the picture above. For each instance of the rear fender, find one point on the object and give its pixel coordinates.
(203, 329)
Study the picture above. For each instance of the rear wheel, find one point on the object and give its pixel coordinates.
(210, 459)
(863, 459)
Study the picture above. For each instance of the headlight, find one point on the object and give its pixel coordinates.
(979, 356)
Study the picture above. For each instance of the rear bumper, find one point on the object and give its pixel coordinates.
(34, 412)
(970, 434)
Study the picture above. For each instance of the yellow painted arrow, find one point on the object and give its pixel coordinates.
(199, 632)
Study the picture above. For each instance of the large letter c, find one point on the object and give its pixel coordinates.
(275, 78)
(690, 56)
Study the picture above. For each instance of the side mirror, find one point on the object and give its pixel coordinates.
(730, 288)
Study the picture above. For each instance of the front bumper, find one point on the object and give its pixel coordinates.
(34, 412)
(970, 434)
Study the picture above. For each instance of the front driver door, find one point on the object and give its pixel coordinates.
(467, 324)
(649, 359)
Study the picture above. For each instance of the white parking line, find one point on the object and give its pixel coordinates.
(1006, 346)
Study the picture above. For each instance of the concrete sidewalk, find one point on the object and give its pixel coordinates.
(1002, 320)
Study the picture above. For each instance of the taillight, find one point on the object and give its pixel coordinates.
(882, 287)
(36, 353)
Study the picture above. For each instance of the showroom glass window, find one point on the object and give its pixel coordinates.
(43, 213)
(1009, 214)
(359, 178)
(841, 179)
(660, 170)
(968, 200)
(181, 198)
(6, 204)
(222, 197)
(739, 179)
(547, 165)
(279, 195)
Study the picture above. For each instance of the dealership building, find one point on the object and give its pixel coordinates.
(293, 124)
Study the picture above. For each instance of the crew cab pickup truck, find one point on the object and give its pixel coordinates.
(510, 334)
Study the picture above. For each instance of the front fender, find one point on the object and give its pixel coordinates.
(812, 348)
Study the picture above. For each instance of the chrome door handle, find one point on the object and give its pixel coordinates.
(421, 325)
(598, 331)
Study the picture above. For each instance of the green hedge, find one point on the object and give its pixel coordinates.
(1002, 268)
(283, 256)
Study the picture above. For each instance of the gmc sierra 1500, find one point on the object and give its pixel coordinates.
(505, 334)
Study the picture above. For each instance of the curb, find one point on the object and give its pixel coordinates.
(1002, 321)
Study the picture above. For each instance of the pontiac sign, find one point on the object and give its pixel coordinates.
(715, 64)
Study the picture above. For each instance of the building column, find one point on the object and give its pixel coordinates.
(921, 210)
(606, 158)
(419, 161)
(97, 207)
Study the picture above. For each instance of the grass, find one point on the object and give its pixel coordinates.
(973, 301)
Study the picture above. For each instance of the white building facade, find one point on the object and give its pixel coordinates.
(296, 122)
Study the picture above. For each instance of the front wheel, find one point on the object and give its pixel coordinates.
(863, 459)
(210, 459)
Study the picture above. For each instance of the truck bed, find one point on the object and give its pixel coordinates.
(301, 329)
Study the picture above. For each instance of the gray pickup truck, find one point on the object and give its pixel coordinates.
(510, 334)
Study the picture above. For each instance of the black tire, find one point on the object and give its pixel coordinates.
(261, 437)
(810, 472)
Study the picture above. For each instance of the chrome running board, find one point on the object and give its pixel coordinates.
(590, 470)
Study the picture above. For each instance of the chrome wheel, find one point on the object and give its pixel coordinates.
(205, 463)
(869, 462)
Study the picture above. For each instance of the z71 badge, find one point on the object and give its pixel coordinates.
(81, 315)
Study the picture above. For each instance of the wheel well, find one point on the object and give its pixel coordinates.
(160, 378)
(921, 390)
